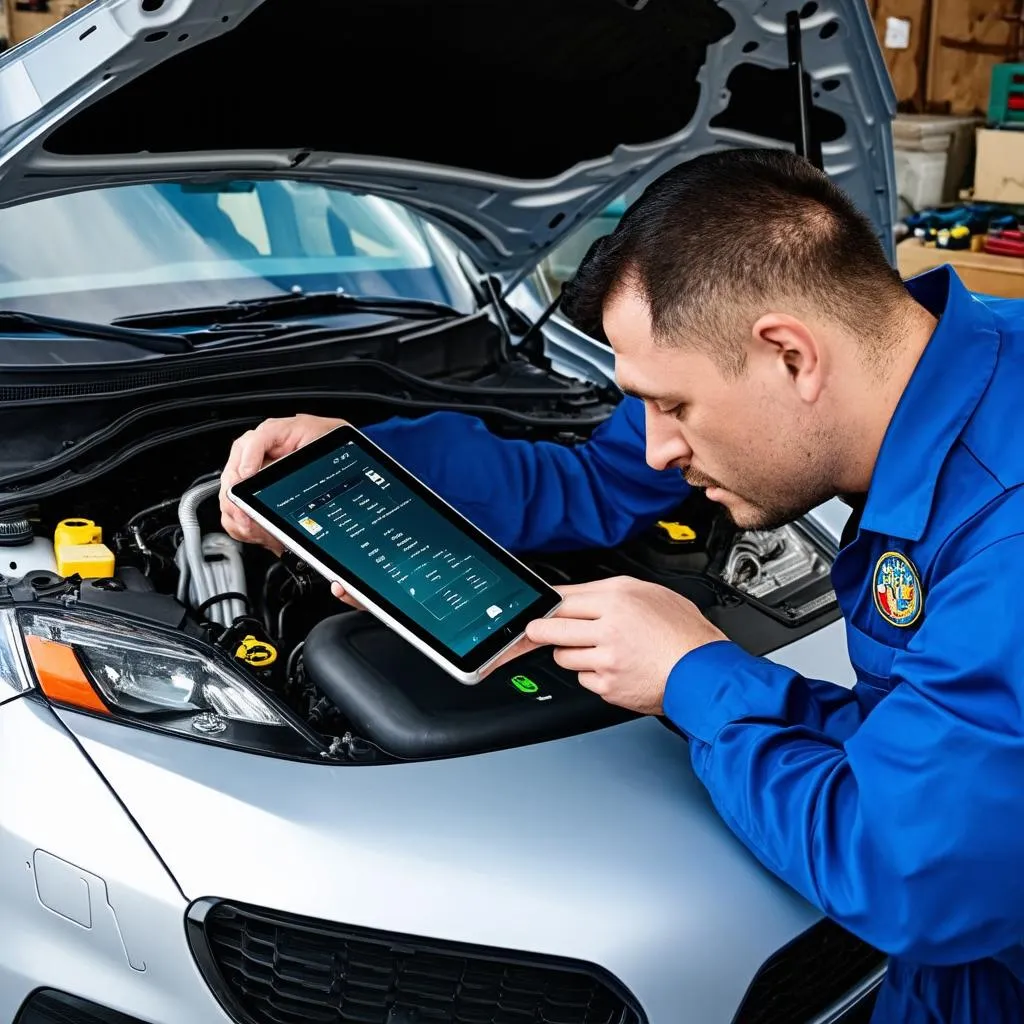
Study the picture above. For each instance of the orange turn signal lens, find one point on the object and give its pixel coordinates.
(60, 675)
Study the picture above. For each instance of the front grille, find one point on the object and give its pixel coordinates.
(808, 976)
(271, 968)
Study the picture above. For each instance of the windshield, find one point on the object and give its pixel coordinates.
(114, 252)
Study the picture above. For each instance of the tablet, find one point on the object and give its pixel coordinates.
(355, 515)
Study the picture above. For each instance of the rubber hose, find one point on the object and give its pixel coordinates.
(225, 556)
(192, 540)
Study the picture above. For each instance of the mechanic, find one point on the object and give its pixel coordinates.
(776, 359)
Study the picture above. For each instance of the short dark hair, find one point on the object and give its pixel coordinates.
(721, 236)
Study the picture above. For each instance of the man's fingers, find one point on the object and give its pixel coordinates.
(235, 521)
(522, 646)
(254, 448)
(236, 525)
(564, 632)
(594, 586)
(247, 456)
(580, 603)
(589, 600)
(343, 595)
(577, 659)
(237, 465)
(239, 526)
(230, 476)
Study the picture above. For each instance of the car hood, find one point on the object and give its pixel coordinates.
(507, 122)
(603, 848)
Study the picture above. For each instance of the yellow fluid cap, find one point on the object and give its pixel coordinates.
(678, 532)
(257, 653)
(77, 531)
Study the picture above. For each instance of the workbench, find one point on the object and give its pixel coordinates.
(980, 271)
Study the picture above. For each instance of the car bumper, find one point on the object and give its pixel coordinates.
(87, 906)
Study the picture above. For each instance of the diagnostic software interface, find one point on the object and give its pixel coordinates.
(383, 533)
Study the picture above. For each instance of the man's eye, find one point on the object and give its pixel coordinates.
(676, 410)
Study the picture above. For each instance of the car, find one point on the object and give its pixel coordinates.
(265, 808)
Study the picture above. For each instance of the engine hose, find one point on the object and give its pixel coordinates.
(225, 559)
(184, 576)
(219, 611)
(203, 586)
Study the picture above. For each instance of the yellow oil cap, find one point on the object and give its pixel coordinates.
(256, 653)
(79, 550)
(678, 533)
(77, 531)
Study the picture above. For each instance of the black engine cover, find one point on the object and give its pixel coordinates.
(401, 701)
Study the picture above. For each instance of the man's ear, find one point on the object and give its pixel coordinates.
(792, 350)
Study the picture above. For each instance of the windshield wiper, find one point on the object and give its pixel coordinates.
(294, 303)
(14, 320)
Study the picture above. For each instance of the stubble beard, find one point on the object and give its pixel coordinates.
(765, 513)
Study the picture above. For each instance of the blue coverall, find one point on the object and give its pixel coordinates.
(897, 808)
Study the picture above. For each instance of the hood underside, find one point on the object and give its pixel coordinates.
(506, 121)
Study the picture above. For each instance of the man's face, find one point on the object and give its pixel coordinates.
(750, 440)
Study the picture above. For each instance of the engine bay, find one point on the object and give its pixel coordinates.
(367, 693)
(122, 520)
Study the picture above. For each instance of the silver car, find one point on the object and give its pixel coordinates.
(222, 796)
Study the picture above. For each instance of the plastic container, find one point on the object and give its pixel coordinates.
(18, 559)
(920, 178)
(79, 550)
(939, 133)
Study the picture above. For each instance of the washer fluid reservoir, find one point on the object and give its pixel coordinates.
(21, 552)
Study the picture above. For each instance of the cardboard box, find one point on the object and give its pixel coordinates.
(980, 271)
(999, 166)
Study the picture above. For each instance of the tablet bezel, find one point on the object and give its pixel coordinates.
(478, 657)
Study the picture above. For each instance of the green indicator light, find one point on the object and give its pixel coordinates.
(524, 684)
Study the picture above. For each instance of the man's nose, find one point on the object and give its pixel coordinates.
(666, 445)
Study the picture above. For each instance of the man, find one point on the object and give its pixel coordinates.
(779, 361)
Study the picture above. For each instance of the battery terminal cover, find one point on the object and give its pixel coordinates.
(79, 549)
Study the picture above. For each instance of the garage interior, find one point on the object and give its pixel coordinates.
(957, 71)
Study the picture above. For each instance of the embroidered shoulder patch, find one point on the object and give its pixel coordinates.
(898, 596)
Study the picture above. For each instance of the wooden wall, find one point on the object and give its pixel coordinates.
(907, 67)
(953, 47)
(968, 38)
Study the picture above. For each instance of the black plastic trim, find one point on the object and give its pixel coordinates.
(199, 910)
(50, 1006)
(761, 1006)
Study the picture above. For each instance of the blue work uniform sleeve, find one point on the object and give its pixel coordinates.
(538, 496)
(825, 707)
(910, 832)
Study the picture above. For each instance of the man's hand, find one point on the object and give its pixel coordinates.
(272, 439)
(623, 637)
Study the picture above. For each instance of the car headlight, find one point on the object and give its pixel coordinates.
(143, 677)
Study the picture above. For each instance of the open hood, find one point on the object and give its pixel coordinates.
(507, 122)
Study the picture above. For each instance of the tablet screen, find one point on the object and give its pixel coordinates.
(369, 519)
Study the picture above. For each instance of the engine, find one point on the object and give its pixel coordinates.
(368, 693)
